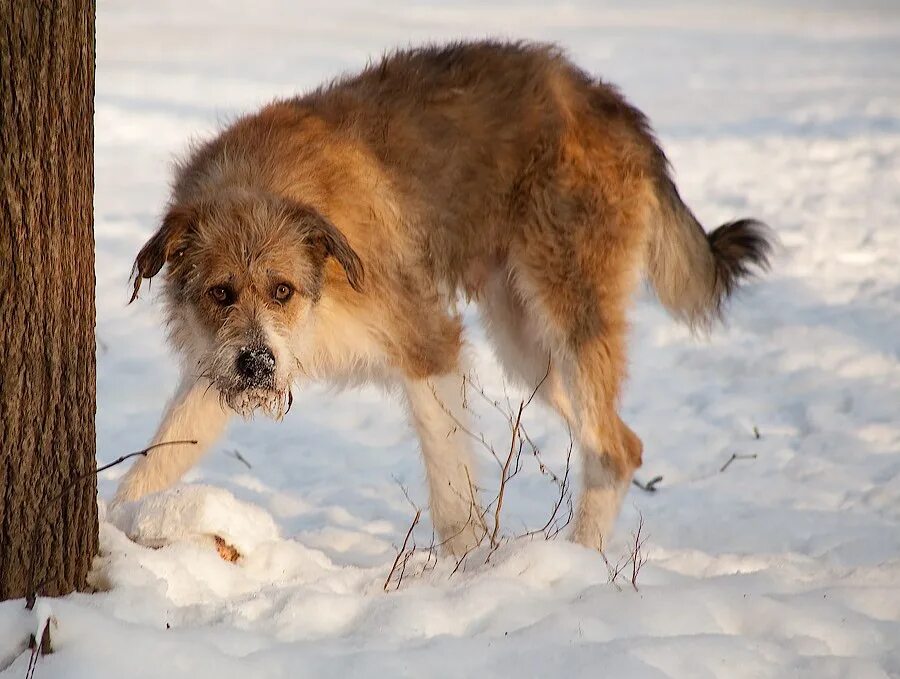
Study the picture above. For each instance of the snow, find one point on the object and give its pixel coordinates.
(185, 513)
(783, 564)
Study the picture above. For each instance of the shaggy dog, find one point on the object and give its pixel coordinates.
(330, 236)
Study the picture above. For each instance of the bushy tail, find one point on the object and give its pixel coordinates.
(694, 272)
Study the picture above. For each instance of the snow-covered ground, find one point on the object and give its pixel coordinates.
(787, 563)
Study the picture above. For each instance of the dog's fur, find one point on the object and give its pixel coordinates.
(499, 172)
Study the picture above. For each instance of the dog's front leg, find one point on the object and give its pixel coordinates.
(194, 414)
(438, 413)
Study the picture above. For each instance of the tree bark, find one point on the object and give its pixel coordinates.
(48, 524)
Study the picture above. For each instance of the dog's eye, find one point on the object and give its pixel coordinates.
(282, 292)
(222, 294)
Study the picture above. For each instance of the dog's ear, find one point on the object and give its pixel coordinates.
(330, 242)
(166, 244)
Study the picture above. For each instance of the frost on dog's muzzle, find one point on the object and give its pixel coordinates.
(271, 402)
(255, 365)
(254, 385)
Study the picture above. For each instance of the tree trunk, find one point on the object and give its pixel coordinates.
(48, 525)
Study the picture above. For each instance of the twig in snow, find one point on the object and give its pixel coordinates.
(405, 491)
(736, 456)
(504, 472)
(516, 442)
(236, 454)
(460, 561)
(633, 557)
(650, 486)
(431, 557)
(614, 571)
(565, 495)
(39, 643)
(401, 554)
(510, 466)
(475, 508)
(465, 430)
(637, 558)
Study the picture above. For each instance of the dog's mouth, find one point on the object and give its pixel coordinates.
(248, 381)
(273, 403)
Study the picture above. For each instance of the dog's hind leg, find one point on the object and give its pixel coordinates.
(592, 369)
(578, 377)
(437, 408)
(575, 270)
(525, 357)
(193, 414)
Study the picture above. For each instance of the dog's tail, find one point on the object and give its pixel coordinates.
(693, 272)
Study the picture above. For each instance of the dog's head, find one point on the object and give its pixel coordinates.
(245, 272)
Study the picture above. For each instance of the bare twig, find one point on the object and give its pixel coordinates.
(540, 383)
(431, 557)
(504, 472)
(650, 486)
(637, 557)
(118, 461)
(510, 466)
(564, 495)
(634, 557)
(473, 506)
(402, 552)
(403, 563)
(465, 430)
(510, 416)
(736, 456)
(558, 528)
(460, 561)
(236, 454)
(405, 491)
(614, 571)
(516, 442)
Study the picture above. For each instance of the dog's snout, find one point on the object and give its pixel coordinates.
(256, 365)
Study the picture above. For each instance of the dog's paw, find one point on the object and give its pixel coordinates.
(195, 514)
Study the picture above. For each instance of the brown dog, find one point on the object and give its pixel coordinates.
(329, 237)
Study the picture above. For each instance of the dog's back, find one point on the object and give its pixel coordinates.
(480, 146)
(472, 134)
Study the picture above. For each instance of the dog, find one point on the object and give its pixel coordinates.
(330, 237)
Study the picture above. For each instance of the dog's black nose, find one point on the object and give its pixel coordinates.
(256, 365)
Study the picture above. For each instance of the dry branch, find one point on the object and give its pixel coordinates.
(634, 557)
(736, 456)
(510, 466)
(236, 454)
(402, 553)
(637, 557)
(565, 495)
(504, 472)
(650, 486)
